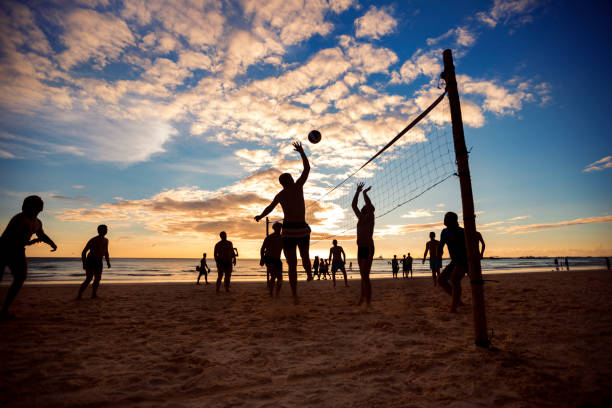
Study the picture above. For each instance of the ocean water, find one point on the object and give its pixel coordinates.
(69, 270)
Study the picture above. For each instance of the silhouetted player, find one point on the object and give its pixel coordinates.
(295, 230)
(365, 241)
(608, 263)
(435, 263)
(338, 259)
(395, 266)
(15, 238)
(453, 237)
(225, 257)
(556, 264)
(204, 269)
(271, 257)
(315, 268)
(566, 263)
(481, 242)
(92, 261)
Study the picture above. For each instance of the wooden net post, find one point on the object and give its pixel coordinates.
(467, 200)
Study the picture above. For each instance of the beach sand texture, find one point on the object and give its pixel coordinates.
(181, 345)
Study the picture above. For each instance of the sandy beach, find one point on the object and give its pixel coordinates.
(182, 345)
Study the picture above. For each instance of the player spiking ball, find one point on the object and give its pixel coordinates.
(314, 136)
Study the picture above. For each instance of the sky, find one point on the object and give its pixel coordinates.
(171, 121)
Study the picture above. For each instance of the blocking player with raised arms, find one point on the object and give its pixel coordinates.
(14, 239)
(296, 232)
(365, 241)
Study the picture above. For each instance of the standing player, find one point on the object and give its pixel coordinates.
(92, 262)
(453, 236)
(225, 257)
(296, 232)
(315, 268)
(404, 267)
(338, 259)
(14, 239)
(409, 264)
(271, 257)
(365, 242)
(435, 263)
(204, 269)
(395, 266)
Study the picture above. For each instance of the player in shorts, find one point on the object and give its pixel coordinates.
(338, 259)
(14, 239)
(435, 263)
(203, 269)
(296, 232)
(271, 257)
(365, 242)
(453, 237)
(92, 261)
(225, 258)
(395, 266)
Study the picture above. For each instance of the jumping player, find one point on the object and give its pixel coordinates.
(13, 241)
(296, 232)
(92, 262)
(271, 257)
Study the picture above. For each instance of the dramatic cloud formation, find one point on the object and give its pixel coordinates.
(375, 23)
(544, 226)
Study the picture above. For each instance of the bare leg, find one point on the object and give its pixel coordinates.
(334, 277)
(199, 276)
(305, 255)
(219, 276)
(345, 279)
(88, 277)
(291, 257)
(228, 277)
(279, 283)
(19, 269)
(270, 281)
(96, 283)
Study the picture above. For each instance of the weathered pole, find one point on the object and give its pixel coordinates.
(467, 200)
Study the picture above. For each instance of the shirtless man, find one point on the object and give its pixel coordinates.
(225, 257)
(365, 242)
(296, 232)
(338, 259)
(92, 262)
(271, 257)
(435, 263)
(454, 237)
(14, 239)
(204, 269)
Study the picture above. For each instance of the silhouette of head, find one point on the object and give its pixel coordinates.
(223, 235)
(102, 229)
(451, 219)
(277, 226)
(335, 242)
(432, 235)
(204, 255)
(404, 256)
(32, 205)
(317, 257)
(285, 180)
(395, 256)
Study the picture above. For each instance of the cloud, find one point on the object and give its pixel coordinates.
(65, 198)
(544, 226)
(601, 164)
(517, 218)
(375, 23)
(508, 11)
(417, 214)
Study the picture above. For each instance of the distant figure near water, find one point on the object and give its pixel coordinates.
(225, 258)
(14, 239)
(315, 268)
(92, 262)
(607, 263)
(435, 263)
(566, 264)
(395, 266)
(271, 257)
(365, 241)
(296, 232)
(203, 269)
(556, 264)
(454, 237)
(338, 259)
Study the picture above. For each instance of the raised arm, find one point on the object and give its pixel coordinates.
(268, 209)
(298, 148)
(45, 238)
(366, 198)
(355, 199)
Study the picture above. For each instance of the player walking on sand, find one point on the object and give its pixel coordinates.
(365, 242)
(13, 241)
(296, 232)
(92, 262)
(435, 263)
(271, 257)
(203, 269)
(454, 237)
(225, 257)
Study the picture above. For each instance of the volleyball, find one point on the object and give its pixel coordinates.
(314, 136)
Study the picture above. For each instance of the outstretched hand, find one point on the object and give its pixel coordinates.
(360, 186)
(257, 218)
(54, 248)
(297, 146)
(367, 189)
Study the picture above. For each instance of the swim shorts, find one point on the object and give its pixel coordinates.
(337, 265)
(365, 252)
(273, 262)
(434, 263)
(93, 263)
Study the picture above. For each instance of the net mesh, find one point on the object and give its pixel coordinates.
(416, 163)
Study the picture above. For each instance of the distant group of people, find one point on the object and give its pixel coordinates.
(559, 264)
